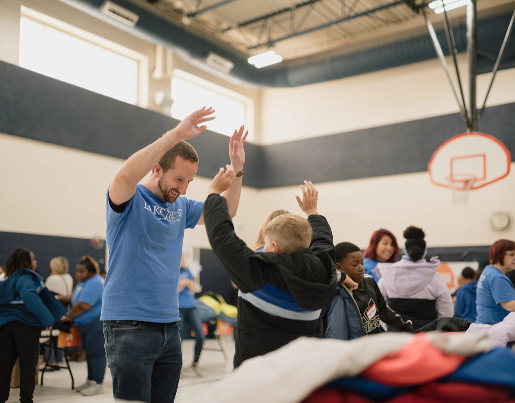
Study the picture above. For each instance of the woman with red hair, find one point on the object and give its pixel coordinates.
(382, 248)
(495, 292)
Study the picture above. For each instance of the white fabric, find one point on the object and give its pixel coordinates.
(502, 333)
(62, 284)
(417, 280)
(290, 374)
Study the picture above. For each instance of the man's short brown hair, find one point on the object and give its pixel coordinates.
(292, 232)
(181, 149)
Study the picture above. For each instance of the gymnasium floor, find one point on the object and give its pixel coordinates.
(191, 388)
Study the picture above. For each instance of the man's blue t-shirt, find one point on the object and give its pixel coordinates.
(145, 249)
(186, 298)
(90, 292)
(493, 288)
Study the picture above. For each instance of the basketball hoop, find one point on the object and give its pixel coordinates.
(460, 185)
(469, 161)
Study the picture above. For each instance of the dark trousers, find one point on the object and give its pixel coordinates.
(190, 316)
(92, 340)
(18, 340)
(145, 359)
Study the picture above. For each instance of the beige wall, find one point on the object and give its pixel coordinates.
(54, 190)
(356, 208)
(384, 97)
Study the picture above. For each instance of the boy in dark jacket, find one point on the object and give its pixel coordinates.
(369, 300)
(465, 306)
(283, 289)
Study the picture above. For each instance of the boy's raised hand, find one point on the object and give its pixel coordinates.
(222, 181)
(308, 203)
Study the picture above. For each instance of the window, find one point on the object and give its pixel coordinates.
(66, 57)
(191, 93)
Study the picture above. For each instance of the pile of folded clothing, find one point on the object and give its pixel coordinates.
(388, 367)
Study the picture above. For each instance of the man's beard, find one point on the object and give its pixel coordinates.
(166, 194)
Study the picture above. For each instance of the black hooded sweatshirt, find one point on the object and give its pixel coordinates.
(307, 277)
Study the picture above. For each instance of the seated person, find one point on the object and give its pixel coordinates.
(283, 289)
(465, 307)
(369, 300)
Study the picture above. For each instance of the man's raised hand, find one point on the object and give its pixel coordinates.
(308, 203)
(236, 151)
(222, 181)
(190, 126)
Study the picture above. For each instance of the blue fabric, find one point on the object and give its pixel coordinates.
(493, 288)
(190, 317)
(145, 249)
(92, 341)
(148, 360)
(341, 319)
(205, 313)
(368, 389)
(495, 367)
(279, 297)
(23, 299)
(370, 268)
(466, 301)
(186, 298)
(90, 292)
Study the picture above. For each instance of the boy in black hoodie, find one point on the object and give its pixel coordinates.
(283, 289)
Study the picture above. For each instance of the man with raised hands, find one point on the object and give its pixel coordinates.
(145, 232)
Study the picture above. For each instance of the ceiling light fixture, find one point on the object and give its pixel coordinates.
(265, 59)
(438, 5)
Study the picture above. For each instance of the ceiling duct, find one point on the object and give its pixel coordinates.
(120, 14)
(413, 49)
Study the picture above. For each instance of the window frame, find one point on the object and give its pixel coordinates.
(248, 102)
(141, 60)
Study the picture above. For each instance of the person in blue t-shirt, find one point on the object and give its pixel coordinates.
(145, 232)
(495, 292)
(188, 312)
(86, 303)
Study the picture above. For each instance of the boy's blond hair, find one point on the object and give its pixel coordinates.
(291, 231)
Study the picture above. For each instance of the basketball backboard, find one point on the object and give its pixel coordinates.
(474, 159)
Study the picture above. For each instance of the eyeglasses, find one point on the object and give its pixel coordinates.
(512, 255)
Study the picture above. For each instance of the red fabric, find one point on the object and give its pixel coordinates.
(332, 395)
(452, 392)
(458, 391)
(418, 362)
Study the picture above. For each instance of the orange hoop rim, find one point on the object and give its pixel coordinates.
(496, 140)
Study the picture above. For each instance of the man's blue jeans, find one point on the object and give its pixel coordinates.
(145, 359)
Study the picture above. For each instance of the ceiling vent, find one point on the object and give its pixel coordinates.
(120, 14)
(219, 63)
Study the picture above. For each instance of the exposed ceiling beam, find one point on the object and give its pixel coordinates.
(339, 21)
(275, 13)
(211, 7)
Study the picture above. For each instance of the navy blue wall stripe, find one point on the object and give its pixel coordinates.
(46, 247)
(41, 108)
